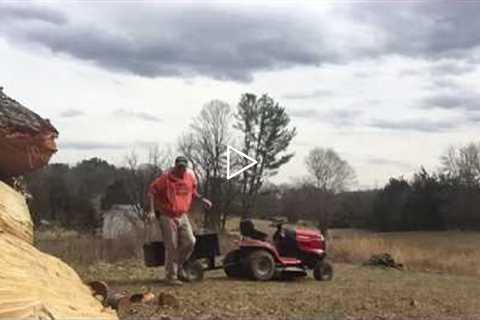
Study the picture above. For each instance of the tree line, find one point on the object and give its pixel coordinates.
(75, 196)
(447, 199)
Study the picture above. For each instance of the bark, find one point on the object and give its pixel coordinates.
(27, 141)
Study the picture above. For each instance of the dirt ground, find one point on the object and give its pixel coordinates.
(357, 292)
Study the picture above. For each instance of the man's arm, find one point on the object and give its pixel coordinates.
(206, 203)
(152, 191)
(152, 202)
(151, 211)
(195, 195)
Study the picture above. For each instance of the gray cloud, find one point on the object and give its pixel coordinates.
(444, 83)
(362, 74)
(389, 162)
(219, 42)
(422, 125)
(146, 144)
(232, 42)
(474, 117)
(304, 113)
(456, 100)
(302, 144)
(319, 93)
(95, 145)
(432, 29)
(337, 117)
(410, 72)
(89, 145)
(343, 117)
(373, 102)
(452, 68)
(26, 11)
(70, 113)
(144, 116)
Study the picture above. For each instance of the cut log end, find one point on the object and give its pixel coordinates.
(27, 138)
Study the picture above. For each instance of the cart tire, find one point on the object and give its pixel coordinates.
(193, 271)
(231, 264)
(323, 271)
(261, 265)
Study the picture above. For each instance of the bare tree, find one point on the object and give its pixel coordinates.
(330, 175)
(463, 163)
(205, 146)
(139, 176)
(329, 172)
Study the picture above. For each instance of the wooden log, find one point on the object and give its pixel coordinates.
(14, 214)
(118, 300)
(27, 141)
(35, 285)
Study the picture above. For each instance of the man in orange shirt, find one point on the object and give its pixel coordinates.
(171, 196)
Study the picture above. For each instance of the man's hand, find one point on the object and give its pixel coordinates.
(206, 203)
(150, 215)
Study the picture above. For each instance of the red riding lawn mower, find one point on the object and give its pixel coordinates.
(293, 252)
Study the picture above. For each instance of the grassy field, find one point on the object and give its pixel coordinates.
(452, 252)
(441, 280)
(357, 292)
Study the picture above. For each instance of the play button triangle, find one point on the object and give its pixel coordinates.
(229, 162)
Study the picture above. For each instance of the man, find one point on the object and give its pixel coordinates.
(170, 197)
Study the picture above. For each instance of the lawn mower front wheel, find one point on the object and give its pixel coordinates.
(261, 265)
(323, 271)
(193, 271)
(232, 265)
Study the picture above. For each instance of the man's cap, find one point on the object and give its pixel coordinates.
(181, 160)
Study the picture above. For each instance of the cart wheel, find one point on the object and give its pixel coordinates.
(231, 265)
(261, 265)
(193, 271)
(323, 271)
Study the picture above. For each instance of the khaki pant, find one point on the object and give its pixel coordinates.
(179, 242)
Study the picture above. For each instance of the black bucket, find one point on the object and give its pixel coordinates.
(154, 254)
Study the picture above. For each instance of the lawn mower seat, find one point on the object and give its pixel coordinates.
(247, 229)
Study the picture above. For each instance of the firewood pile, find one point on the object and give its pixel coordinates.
(27, 141)
(120, 300)
(383, 260)
(33, 285)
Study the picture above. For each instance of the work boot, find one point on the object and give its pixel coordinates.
(182, 275)
(173, 282)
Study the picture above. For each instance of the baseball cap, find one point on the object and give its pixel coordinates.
(181, 160)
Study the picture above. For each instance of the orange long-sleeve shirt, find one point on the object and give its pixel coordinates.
(172, 195)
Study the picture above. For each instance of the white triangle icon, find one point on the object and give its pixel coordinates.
(248, 166)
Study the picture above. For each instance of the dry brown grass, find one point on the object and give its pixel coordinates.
(86, 249)
(452, 252)
(449, 252)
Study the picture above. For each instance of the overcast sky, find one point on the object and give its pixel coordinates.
(388, 85)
